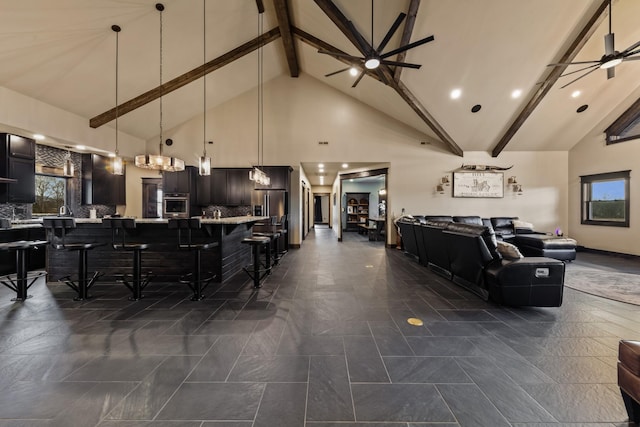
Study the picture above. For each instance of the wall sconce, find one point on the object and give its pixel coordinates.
(515, 187)
(440, 189)
(445, 180)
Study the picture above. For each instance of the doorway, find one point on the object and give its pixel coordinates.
(321, 208)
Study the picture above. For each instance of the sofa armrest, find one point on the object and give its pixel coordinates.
(529, 281)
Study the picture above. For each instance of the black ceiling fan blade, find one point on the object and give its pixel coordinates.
(358, 79)
(402, 64)
(581, 69)
(631, 48)
(340, 55)
(407, 47)
(573, 63)
(578, 78)
(391, 31)
(632, 58)
(337, 72)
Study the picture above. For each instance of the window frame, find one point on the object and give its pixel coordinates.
(64, 197)
(586, 182)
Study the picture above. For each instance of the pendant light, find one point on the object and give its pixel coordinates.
(117, 165)
(256, 174)
(204, 165)
(67, 168)
(158, 161)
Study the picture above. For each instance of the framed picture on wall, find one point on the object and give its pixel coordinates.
(478, 184)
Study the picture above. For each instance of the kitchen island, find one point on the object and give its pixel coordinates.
(163, 258)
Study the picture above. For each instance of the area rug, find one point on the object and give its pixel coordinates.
(621, 287)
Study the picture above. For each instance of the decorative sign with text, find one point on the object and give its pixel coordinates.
(478, 184)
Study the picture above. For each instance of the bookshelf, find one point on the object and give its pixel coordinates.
(356, 210)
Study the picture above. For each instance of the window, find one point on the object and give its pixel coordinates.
(626, 127)
(50, 194)
(605, 199)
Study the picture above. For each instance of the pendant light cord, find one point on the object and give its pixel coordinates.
(260, 105)
(204, 77)
(161, 91)
(117, 68)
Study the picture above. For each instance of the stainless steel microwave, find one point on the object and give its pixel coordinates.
(175, 205)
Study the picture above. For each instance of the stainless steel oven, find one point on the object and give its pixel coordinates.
(175, 205)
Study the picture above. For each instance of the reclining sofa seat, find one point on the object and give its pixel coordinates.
(408, 233)
(467, 254)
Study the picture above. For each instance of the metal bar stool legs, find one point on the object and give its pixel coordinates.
(195, 280)
(57, 228)
(257, 271)
(22, 281)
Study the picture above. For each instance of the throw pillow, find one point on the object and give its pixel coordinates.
(522, 224)
(509, 251)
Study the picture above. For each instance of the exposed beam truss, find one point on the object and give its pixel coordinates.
(282, 13)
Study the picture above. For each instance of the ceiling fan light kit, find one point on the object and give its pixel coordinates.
(608, 61)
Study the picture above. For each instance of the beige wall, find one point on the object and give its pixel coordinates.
(592, 156)
(300, 112)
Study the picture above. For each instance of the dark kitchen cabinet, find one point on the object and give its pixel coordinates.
(203, 190)
(99, 185)
(230, 187)
(181, 182)
(238, 187)
(17, 162)
(280, 178)
(21, 147)
(218, 186)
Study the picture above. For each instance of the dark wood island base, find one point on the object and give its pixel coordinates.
(163, 258)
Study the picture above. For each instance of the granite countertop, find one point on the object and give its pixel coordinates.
(232, 220)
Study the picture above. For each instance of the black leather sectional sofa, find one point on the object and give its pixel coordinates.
(467, 254)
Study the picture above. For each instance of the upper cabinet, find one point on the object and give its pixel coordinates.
(17, 161)
(280, 178)
(181, 182)
(99, 185)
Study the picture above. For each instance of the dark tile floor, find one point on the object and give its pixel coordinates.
(325, 343)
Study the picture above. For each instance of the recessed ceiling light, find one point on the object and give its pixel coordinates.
(476, 108)
(320, 165)
(345, 165)
(575, 94)
(353, 71)
(582, 108)
(80, 147)
(38, 136)
(456, 93)
(516, 93)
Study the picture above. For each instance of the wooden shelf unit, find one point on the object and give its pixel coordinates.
(356, 210)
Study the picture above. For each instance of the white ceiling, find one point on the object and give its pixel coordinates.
(62, 52)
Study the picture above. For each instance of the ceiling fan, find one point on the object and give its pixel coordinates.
(375, 57)
(609, 60)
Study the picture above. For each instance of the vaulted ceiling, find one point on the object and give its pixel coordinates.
(63, 53)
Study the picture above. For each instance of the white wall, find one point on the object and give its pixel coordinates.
(592, 156)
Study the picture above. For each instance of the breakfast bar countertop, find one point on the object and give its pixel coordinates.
(232, 220)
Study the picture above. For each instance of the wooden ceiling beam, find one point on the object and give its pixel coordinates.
(344, 25)
(409, 23)
(185, 78)
(282, 13)
(426, 117)
(574, 48)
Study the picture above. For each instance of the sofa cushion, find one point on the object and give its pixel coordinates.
(468, 220)
(487, 234)
(545, 241)
(439, 218)
(509, 251)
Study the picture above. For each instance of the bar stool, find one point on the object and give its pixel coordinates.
(194, 280)
(119, 229)
(281, 227)
(22, 281)
(273, 236)
(56, 231)
(255, 271)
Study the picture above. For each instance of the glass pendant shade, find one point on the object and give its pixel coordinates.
(117, 165)
(67, 168)
(204, 166)
(159, 162)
